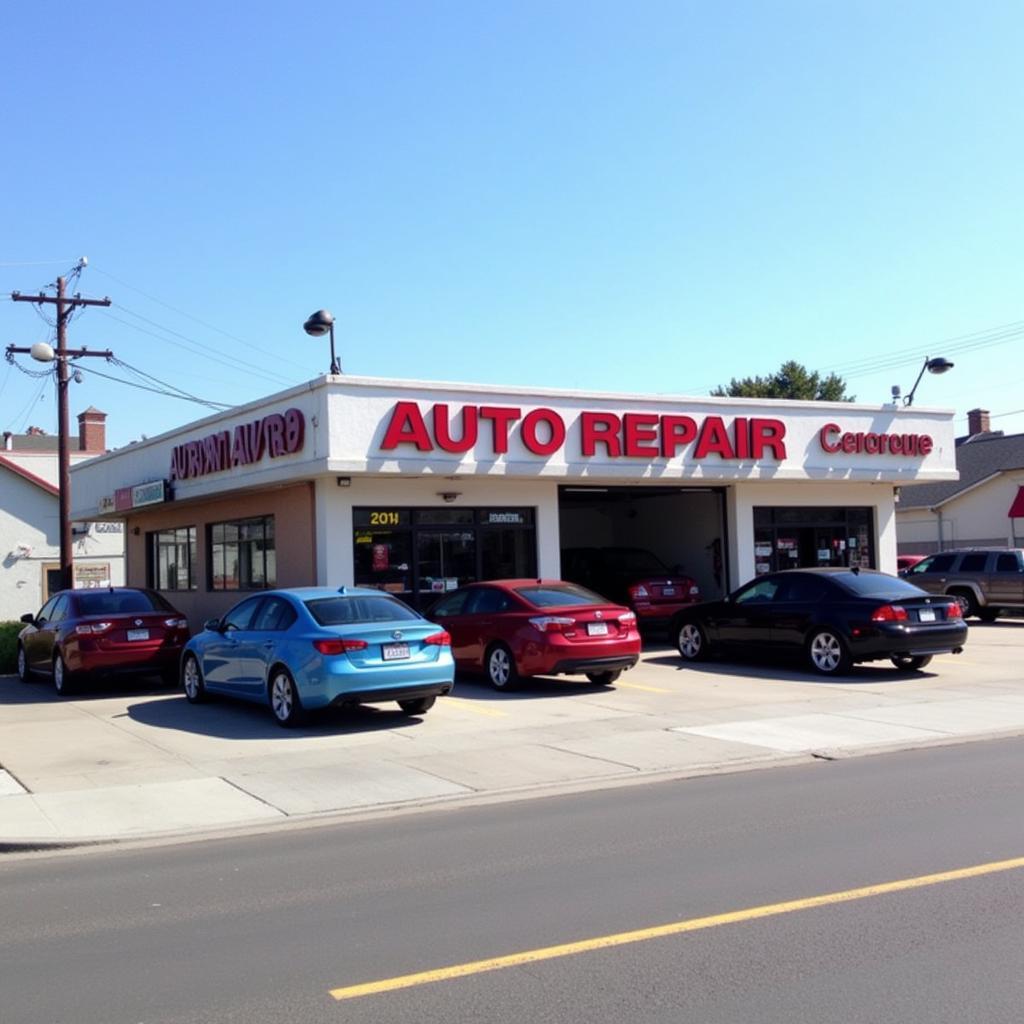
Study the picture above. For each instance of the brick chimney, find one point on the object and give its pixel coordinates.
(978, 422)
(92, 430)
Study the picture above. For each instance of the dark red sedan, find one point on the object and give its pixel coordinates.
(508, 629)
(79, 633)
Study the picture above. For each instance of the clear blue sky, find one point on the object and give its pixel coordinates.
(640, 196)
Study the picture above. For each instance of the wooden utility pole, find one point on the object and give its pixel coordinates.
(65, 307)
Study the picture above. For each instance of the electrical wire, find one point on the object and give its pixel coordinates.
(162, 383)
(220, 406)
(26, 412)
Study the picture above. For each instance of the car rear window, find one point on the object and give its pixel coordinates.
(114, 602)
(885, 588)
(345, 610)
(558, 595)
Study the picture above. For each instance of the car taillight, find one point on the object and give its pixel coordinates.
(890, 613)
(638, 590)
(695, 591)
(176, 623)
(339, 645)
(441, 639)
(627, 619)
(553, 623)
(954, 611)
(85, 628)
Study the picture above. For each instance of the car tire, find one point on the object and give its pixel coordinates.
(192, 680)
(64, 681)
(25, 674)
(967, 601)
(501, 668)
(691, 641)
(988, 614)
(419, 706)
(284, 698)
(911, 662)
(828, 654)
(604, 678)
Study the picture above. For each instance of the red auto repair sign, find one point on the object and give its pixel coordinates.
(642, 435)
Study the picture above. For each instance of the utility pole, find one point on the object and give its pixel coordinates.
(65, 307)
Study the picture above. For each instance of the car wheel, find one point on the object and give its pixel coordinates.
(192, 680)
(63, 679)
(501, 668)
(420, 706)
(988, 614)
(604, 678)
(828, 654)
(25, 674)
(284, 698)
(692, 641)
(967, 601)
(911, 661)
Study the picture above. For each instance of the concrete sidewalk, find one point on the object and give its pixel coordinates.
(123, 764)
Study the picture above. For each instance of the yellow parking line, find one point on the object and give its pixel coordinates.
(637, 686)
(468, 705)
(675, 928)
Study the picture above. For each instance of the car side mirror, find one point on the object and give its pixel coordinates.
(213, 625)
(29, 619)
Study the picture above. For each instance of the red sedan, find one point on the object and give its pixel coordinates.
(514, 628)
(120, 629)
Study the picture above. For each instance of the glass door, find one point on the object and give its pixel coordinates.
(445, 559)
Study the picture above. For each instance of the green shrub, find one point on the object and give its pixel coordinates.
(9, 645)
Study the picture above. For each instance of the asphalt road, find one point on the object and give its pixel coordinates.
(263, 929)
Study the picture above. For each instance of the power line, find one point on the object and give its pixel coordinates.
(157, 391)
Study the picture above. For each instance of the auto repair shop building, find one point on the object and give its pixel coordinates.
(418, 487)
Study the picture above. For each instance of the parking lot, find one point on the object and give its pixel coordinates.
(124, 762)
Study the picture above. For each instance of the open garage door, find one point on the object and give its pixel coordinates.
(645, 546)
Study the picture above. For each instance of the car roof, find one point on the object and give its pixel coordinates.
(313, 593)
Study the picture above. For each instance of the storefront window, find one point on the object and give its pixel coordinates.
(172, 556)
(243, 555)
(417, 554)
(799, 538)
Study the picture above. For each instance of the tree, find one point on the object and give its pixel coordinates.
(791, 380)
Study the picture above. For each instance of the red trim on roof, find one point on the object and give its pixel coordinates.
(1017, 508)
(30, 477)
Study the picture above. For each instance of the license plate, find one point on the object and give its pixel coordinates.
(395, 652)
(668, 591)
(597, 629)
(138, 634)
(927, 615)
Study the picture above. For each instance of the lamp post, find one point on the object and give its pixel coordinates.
(936, 365)
(317, 325)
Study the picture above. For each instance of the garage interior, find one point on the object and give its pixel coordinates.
(684, 526)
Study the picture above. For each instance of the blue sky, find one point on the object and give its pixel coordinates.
(650, 197)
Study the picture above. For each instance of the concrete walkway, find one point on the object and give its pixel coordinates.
(127, 763)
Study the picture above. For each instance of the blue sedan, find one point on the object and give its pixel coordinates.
(315, 647)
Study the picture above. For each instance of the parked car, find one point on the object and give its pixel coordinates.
(634, 577)
(80, 633)
(313, 647)
(904, 563)
(984, 580)
(509, 629)
(833, 617)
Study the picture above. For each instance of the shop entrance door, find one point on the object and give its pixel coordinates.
(445, 559)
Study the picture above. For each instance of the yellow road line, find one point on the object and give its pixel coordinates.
(637, 686)
(468, 705)
(675, 928)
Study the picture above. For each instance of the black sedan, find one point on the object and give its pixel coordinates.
(834, 617)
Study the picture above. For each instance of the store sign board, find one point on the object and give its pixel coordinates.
(152, 493)
(91, 575)
(833, 439)
(271, 436)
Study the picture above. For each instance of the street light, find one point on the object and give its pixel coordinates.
(320, 323)
(936, 365)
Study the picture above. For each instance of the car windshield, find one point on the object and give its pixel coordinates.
(634, 560)
(346, 610)
(114, 602)
(558, 595)
(886, 588)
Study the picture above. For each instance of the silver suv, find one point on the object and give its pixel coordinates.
(983, 580)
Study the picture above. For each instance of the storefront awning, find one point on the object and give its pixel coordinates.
(1017, 508)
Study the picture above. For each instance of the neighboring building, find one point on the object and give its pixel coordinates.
(418, 487)
(984, 508)
(30, 519)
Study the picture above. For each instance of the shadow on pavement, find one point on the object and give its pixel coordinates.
(781, 669)
(224, 718)
(39, 690)
(472, 687)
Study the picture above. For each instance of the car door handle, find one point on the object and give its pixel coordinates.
(268, 644)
